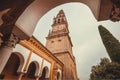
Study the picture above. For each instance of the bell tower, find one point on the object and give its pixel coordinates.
(59, 43)
(58, 39)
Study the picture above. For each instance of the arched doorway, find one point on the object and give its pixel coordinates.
(14, 64)
(32, 70)
(44, 75)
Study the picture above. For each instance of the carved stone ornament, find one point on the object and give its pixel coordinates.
(115, 12)
(11, 42)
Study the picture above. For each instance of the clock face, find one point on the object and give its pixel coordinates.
(55, 28)
(61, 27)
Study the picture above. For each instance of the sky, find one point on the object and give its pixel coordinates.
(88, 48)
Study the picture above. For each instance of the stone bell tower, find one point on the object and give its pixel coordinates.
(59, 43)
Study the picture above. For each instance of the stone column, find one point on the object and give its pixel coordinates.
(37, 77)
(55, 68)
(6, 50)
(21, 75)
(7, 29)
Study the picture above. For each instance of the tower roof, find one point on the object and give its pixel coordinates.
(60, 18)
(61, 12)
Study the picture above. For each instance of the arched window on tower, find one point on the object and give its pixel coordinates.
(62, 20)
(58, 20)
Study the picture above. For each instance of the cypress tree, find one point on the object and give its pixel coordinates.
(111, 44)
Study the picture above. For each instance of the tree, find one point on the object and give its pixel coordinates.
(111, 44)
(106, 70)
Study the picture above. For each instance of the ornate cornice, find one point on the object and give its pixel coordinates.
(58, 32)
(56, 35)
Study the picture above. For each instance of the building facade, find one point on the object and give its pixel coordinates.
(30, 60)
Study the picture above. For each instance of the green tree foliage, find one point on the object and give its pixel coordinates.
(106, 70)
(111, 44)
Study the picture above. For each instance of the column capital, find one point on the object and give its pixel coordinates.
(13, 40)
(20, 75)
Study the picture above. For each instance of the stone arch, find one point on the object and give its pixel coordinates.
(36, 13)
(27, 18)
(32, 71)
(13, 66)
(32, 14)
(45, 6)
(45, 73)
(22, 60)
(37, 68)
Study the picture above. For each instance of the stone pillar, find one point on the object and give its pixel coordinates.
(21, 75)
(6, 50)
(37, 77)
(55, 69)
(8, 29)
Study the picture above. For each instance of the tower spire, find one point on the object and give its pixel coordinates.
(60, 25)
(60, 18)
(59, 30)
(59, 43)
